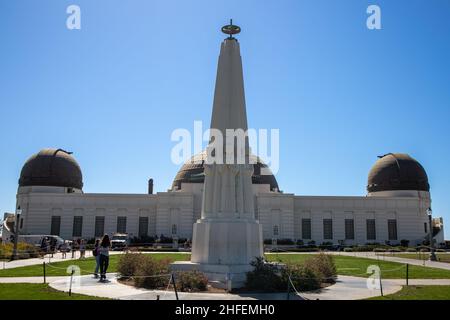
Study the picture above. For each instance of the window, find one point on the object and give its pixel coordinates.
(55, 228)
(275, 230)
(99, 226)
(392, 229)
(370, 229)
(77, 226)
(143, 226)
(121, 224)
(306, 228)
(425, 227)
(349, 229)
(328, 229)
(174, 229)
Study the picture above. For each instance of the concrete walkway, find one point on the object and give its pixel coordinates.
(346, 288)
(386, 257)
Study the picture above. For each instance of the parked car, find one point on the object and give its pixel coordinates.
(119, 241)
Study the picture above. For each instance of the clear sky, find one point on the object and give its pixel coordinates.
(114, 91)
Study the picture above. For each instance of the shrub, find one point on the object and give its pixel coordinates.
(404, 243)
(379, 250)
(264, 277)
(24, 250)
(152, 274)
(323, 266)
(411, 250)
(191, 281)
(129, 263)
(299, 243)
(348, 250)
(303, 277)
(285, 242)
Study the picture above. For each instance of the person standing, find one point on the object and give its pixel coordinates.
(95, 253)
(105, 245)
(82, 249)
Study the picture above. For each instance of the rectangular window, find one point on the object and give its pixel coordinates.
(392, 229)
(370, 229)
(143, 226)
(425, 227)
(99, 226)
(121, 224)
(306, 228)
(349, 229)
(55, 226)
(77, 226)
(328, 229)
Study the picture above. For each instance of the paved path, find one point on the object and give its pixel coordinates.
(57, 257)
(386, 257)
(346, 288)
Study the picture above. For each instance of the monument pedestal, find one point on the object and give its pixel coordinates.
(223, 249)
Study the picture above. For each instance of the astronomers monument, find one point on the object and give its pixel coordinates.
(227, 237)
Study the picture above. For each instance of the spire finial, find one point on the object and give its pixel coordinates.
(231, 29)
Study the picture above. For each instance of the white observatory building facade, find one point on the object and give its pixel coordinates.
(51, 197)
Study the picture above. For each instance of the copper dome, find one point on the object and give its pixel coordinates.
(51, 167)
(192, 172)
(397, 171)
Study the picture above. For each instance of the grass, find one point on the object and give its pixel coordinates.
(442, 257)
(346, 265)
(355, 266)
(87, 266)
(419, 293)
(37, 291)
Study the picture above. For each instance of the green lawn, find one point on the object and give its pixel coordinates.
(86, 265)
(355, 266)
(442, 257)
(419, 293)
(37, 291)
(346, 265)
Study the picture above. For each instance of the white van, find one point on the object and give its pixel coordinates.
(54, 241)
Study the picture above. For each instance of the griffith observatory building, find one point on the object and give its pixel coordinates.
(50, 195)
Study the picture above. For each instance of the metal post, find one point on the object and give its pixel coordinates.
(381, 285)
(407, 274)
(288, 288)
(172, 277)
(70, 287)
(43, 266)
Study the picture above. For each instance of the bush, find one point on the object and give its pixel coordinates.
(411, 250)
(191, 281)
(299, 243)
(129, 263)
(379, 250)
(264, 277)
(404, 243)
(348, 249)
(151, 273)
(323, 266)
(303, 277)
(285, 242)
(24, 250)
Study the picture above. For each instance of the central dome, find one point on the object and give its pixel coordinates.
(397, 171)
(51, 167)
(192, 172)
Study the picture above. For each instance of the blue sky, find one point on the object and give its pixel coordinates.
(114, 91)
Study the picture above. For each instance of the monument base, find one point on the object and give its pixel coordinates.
(222, 248)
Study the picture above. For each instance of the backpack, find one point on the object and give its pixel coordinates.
(95, 252)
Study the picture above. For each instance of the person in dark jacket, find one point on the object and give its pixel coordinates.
(103, 251)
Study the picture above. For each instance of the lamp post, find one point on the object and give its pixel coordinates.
(430, 218)
(16, 235)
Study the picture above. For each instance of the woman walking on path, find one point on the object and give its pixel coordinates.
(96, 254)
(104, 257)
(82, 249)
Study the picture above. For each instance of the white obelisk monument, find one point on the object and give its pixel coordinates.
(227, 237)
